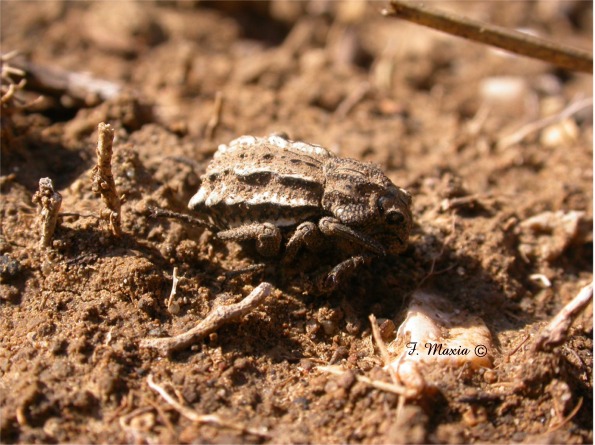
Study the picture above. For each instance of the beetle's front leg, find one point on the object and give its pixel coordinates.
(333, 227)
(267, 237)
(306, 234)
(342, 271)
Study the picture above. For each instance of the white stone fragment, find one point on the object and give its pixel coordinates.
(504, 90)
(560, 134)
(547, 234)
(436, 335)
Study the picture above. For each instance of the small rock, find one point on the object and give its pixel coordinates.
(9, 268)
(346, 380)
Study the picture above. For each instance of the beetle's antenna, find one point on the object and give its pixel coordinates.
(156, 212)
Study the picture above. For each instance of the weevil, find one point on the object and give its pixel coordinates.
(287, 196)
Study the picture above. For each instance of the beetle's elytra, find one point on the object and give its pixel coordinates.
(286, 195)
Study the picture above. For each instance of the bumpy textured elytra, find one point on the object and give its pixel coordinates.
(286, 195)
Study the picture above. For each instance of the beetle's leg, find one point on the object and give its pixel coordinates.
(340, 272)
(333, 227)
(266, 235)
(306, 234)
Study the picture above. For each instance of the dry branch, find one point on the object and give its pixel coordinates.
(103, 179)
(214, 320)
(510, 40)
(556, 332)
(49, 202)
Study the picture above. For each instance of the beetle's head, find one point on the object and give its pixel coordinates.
(396, 220)
(363, 198)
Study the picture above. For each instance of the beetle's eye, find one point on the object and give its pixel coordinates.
(382, 203)
(395, 217)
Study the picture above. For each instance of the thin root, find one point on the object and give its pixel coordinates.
(568, 418)
(533, 127)
(210, 419)
(383, 386)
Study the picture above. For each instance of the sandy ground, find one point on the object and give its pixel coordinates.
(503, 225)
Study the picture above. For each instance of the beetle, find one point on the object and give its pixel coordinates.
(289, 195)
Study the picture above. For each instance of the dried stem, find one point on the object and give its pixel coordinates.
(378, 384)
(173, 307)
(356, 96)
(49, 202)
(216, 117)
(192, 415)
(214, 320)
(8, 75)
(556, 332)
(510, 40)
(532, 127)
(103, 179)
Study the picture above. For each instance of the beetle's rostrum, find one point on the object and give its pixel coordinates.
(287, 195)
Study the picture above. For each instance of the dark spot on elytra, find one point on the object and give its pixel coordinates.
(256, 178)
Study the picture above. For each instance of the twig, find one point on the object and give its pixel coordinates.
(214, 320)
(510, 40)
(352, 100)
(383, 386)
(525, 130)
(556, 331)
(57, 82)
(103, 179)
(7, 73)
(163, 416)
(124, 421)
(175, 308)
(216, 117)
(49, 202)
(192, 415)
(544, 280)
(519, 346)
